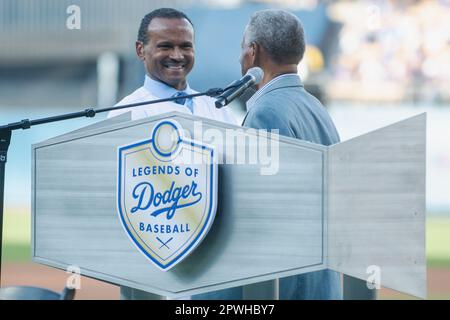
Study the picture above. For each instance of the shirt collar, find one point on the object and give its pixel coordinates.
(162, 90)
(287, 79)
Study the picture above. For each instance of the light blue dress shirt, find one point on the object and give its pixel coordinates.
(163, 91)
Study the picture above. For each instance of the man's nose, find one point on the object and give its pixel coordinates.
(176, 54)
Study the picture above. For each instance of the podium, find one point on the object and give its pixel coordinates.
(353, 207)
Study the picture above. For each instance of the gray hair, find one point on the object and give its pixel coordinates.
(280, 33)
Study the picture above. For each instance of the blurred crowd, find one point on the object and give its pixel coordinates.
(392, 50)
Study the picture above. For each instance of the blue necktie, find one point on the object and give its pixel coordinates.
(184, 101)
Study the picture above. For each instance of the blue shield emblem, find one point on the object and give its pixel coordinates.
(166, 193)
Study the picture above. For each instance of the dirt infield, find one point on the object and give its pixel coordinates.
(31, 274)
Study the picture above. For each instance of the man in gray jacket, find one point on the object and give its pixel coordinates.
(274, 41)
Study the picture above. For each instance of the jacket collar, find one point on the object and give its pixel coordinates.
(282, 81)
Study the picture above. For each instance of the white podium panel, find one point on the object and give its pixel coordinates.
(377, 206)
(265, 227)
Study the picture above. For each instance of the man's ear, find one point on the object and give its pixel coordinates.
(140, 50)
(255, 53)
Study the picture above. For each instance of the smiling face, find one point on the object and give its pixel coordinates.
(168, 55)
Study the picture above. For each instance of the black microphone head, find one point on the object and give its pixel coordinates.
(257, 73)
(252, 77)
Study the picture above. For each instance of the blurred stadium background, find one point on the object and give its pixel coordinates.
(370, 62)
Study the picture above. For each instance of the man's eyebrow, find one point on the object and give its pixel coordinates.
(164, 43)
(169, 43)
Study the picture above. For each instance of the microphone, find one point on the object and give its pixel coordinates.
(253, 76)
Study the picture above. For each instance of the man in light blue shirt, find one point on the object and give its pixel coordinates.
(165, 45)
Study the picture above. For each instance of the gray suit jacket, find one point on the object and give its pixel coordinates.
(284, 104)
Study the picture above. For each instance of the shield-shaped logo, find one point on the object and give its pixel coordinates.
(167, 193)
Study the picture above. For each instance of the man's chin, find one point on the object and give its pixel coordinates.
(178, 83)
(174, 75)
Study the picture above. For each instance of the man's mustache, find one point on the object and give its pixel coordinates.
(175, 62)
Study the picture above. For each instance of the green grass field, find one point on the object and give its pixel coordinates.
(16, 240)
(438, 242)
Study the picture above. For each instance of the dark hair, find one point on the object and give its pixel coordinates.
(167, 13)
